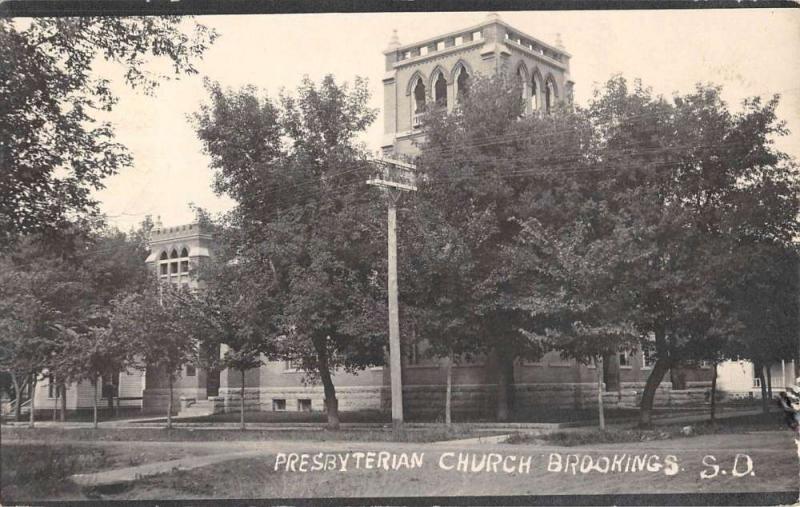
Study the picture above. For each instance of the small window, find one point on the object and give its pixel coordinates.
(174, 254)
(163, 256)
(173, 267)
(304, 405)
(278, 405)
(624, 359)
(184, 252)
(477, 35)
(165, 269)
(756, 382)
(459, 40)
(52, 387)
(184, 266)
(190, 370)
(423, 50)
(439, 45)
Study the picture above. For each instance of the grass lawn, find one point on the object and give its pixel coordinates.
(257, 478)
(42, 471)
(431, 434)
(759, 422)
(534, 415)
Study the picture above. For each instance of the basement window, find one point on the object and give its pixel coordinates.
(278, 405)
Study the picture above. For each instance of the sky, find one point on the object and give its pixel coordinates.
(746, 51)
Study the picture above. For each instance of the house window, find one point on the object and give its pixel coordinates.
(190, 370)
(756, 382)
(304, 405)
(440, 91)
(278, 405)
(52, 387)
(624, 359)
(647, 358)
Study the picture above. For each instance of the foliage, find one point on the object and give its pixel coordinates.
(307, 231)
(158, 324)
(54, 148)
(491, 181)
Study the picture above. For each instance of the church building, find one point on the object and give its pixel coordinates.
(428, 73)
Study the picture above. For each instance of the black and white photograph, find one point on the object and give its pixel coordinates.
(479, 257)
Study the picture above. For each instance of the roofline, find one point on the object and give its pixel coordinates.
(473, 28)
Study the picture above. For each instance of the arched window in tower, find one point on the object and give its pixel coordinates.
(522, 86)
(163, 264)
(419, 97)
(184, 260)
(440, 91)
(462, 84)
(550, 96)
(534, 94)
(173, 265)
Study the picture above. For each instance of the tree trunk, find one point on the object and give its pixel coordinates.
(677, 376)
(714, 394)
(769, 382)
(611, 374)
(63, 388)
(660, 369)
(505, 386)
(55, 405)
(32, 414)
(759, 369)
(18, 397)
(241, 414)
(600, 410)
(331, 403)
(449, 392)
(94, 404)
(169, 403)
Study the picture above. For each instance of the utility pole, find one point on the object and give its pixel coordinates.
(394, 177)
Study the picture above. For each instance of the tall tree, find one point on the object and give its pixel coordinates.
(695, 183)
(309, 228)
(232, 316)
(487, 172)
(54, 149)
(158, 324)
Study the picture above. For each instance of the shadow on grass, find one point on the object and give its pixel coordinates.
(32, 472)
